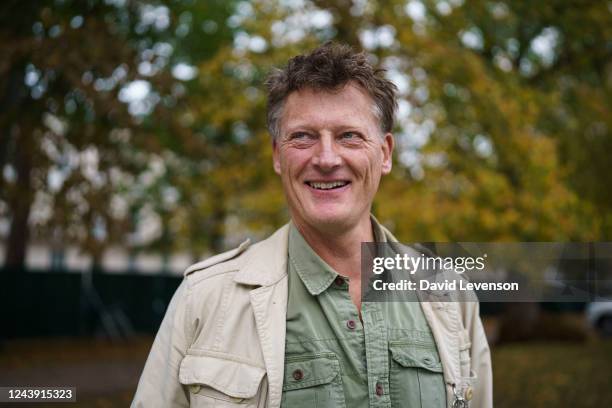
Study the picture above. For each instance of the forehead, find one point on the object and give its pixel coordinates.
(348, 106)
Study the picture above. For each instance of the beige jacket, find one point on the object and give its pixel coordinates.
(222, 340)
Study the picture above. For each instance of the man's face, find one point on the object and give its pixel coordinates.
(330, 155)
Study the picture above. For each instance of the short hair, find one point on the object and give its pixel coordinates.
(330, 67)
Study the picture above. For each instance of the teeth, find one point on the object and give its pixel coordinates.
(327, 186)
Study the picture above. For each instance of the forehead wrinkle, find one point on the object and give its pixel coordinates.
(344, 108)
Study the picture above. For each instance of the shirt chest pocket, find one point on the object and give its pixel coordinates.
(213, 381)
(313, 381)
(416, 376)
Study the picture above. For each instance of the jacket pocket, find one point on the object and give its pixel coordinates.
(220, 381)
(312, 381)
(416, 376)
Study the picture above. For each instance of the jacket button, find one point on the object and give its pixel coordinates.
(469, 393)
(298, 375)
(351, 324)
(194, 388)
(379, 389)
(339, 281)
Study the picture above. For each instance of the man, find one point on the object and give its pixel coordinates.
(281, 322)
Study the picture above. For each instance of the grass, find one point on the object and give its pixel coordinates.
(553, 375)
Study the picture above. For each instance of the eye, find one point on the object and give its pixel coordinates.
(299, 136)
(351, 138)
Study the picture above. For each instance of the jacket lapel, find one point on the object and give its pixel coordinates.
(265, 265)
(444, 321)
(270, 307)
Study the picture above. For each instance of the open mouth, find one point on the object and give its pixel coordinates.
(329, 185)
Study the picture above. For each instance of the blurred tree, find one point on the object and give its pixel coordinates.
(62, 67)
(189, 208)
(88, 92)
(125, 115)
(491, 89)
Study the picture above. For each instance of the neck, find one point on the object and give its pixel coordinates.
(340, 249)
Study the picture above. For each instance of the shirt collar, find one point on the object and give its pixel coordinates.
(377, 229)
(314, 272)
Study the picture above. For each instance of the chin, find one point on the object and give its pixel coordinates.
(330, 221)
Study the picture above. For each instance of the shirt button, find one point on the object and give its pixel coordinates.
(379, 389)
(351, 324)
(339, 281)
(194, 388)
(298, 375)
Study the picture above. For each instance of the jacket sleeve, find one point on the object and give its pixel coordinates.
(159, 384)
(481, 359)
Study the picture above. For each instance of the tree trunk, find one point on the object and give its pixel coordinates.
(16, 140)
(20, 203)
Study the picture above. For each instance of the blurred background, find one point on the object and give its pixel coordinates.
(133, 143)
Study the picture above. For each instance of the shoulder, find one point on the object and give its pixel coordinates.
(201, 267)
(257, 264)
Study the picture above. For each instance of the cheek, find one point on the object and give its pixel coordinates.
(366, 166)
(292, 161)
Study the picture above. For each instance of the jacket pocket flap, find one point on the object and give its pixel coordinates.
(310, 371)
(230, 377)
(419, 357)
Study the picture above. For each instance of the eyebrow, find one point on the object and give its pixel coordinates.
(339, 128)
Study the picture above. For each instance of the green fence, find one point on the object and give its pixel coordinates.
(60, 303)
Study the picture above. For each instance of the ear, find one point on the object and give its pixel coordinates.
(387, 148)
(276, 157)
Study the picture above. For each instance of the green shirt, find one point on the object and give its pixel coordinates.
(332, 359)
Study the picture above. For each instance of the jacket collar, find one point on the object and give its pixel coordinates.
(265, 263)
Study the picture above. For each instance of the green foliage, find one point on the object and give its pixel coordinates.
(497, 167)
(62, 66)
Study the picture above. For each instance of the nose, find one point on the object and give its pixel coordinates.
(326, 156)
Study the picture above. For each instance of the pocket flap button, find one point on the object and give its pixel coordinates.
(298, 375)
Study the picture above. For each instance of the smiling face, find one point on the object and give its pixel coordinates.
(330, 155)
